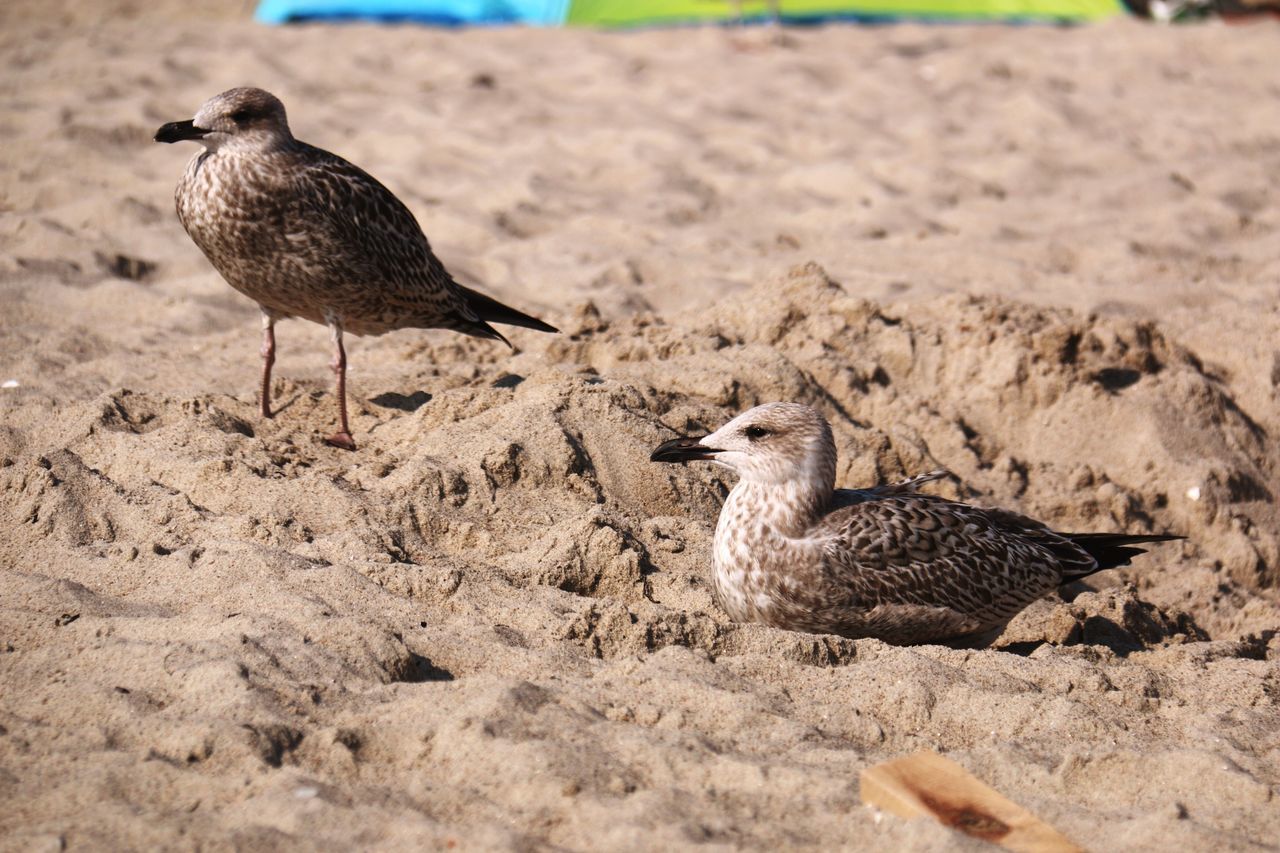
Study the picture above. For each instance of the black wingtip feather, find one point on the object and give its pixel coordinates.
(484, 330)
(1113, 550)
(493, 311)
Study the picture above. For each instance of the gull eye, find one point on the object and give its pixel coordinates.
(755, 433)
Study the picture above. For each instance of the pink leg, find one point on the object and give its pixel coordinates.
(342, 438)
(268, 359)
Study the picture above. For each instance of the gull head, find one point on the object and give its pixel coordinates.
(242, 116)
(774, 444)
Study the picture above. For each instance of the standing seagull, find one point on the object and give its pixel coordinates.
(794, 552)
(304, 233)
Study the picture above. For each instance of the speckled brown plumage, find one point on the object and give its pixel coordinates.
(888, 562)
(306, 234)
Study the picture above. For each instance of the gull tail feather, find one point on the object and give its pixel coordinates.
(490, 310)
(1113, 549)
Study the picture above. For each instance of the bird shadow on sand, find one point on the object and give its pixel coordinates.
(1093, 631)
(279, 406)
(419, 670)
(1120, 636)
(402, 402)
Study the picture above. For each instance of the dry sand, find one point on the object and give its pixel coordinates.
(1057, 263)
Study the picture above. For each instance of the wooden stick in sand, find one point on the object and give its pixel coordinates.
(926, 784)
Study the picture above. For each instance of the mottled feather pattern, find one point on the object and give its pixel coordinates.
(277, 217)
(887, 561)
(306, 234)
(928, 551)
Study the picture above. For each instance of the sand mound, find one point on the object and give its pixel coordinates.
(493, 622)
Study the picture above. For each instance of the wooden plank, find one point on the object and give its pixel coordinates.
(926, 784)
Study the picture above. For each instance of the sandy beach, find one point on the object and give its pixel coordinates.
(1045, 259)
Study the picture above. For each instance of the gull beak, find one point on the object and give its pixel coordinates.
(180, 131)
(682, 450)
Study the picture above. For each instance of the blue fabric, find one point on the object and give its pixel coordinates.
(669, 12)
(440, 12)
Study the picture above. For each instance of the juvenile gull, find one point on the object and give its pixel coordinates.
(304, 233)
(793, 551)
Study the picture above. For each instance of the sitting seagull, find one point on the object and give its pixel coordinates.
(304, 233)
(794, 552)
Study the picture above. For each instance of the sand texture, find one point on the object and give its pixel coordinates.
(1044, 259)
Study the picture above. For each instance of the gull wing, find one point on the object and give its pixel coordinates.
(384, 254)
(909, 486)
(922, 554)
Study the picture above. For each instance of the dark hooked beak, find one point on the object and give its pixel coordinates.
(179, 131)
(682, 450)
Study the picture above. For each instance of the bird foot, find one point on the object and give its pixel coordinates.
(341, 440)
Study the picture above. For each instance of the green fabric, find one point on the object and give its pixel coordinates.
(640, 12)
